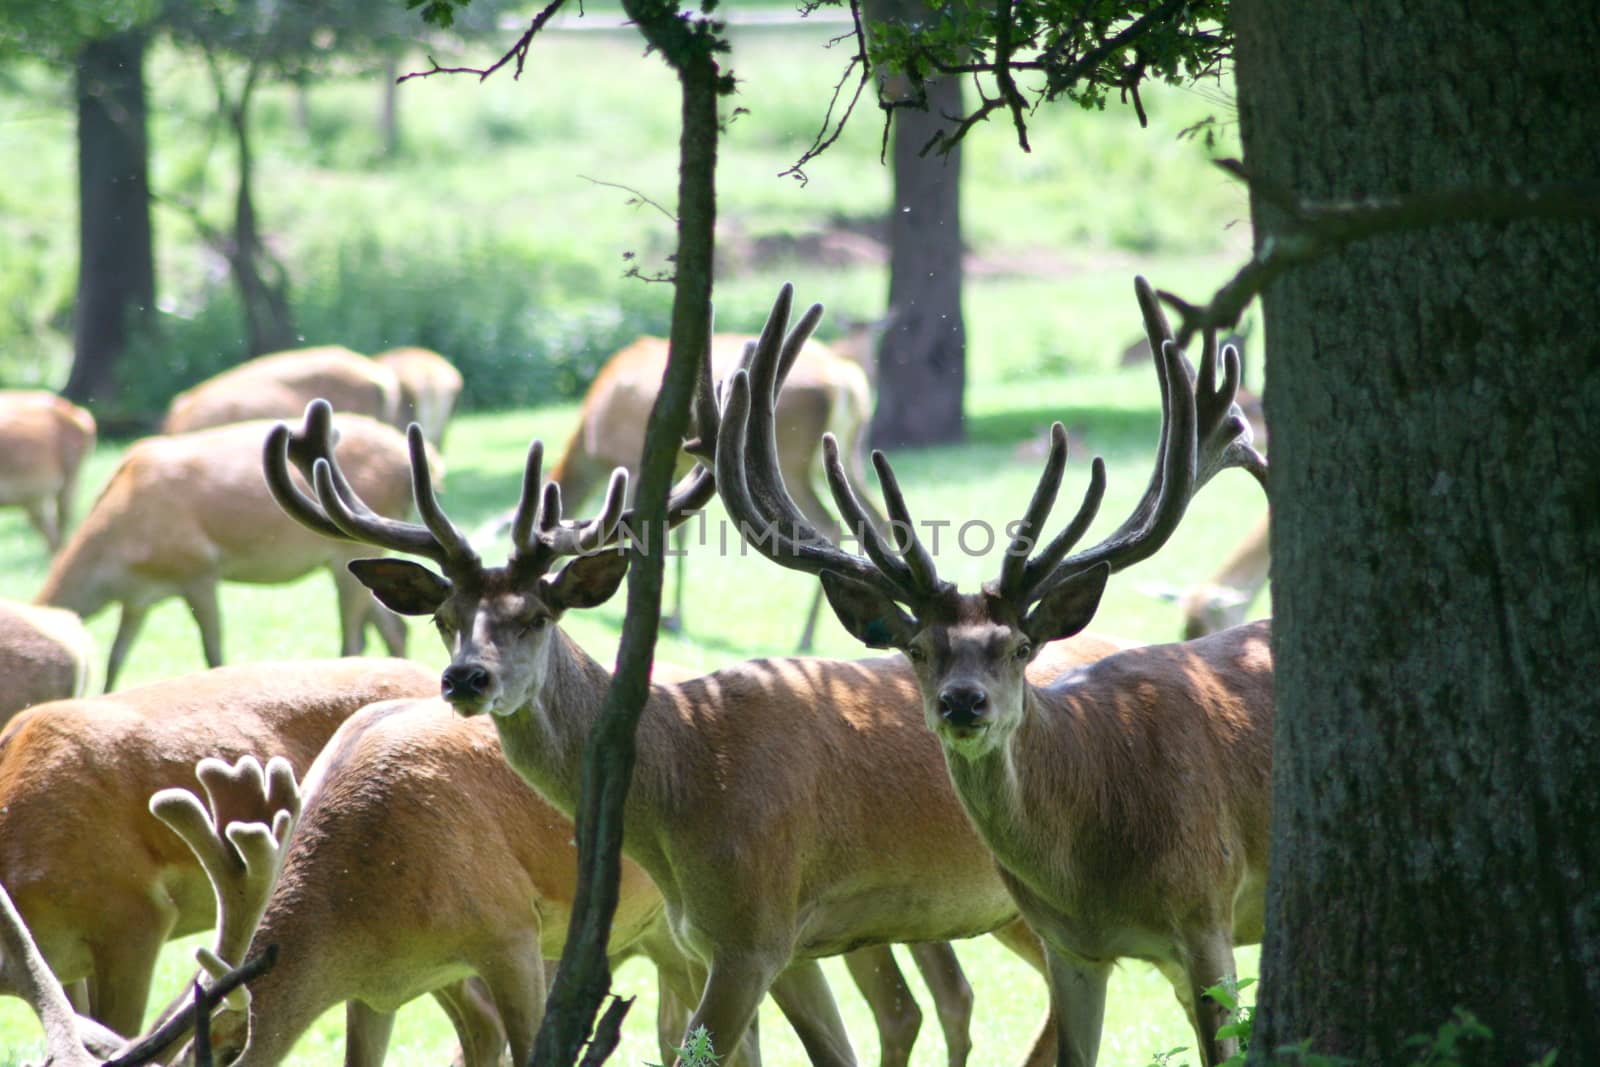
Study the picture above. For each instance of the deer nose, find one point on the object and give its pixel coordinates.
(464, 681)
(963, 705)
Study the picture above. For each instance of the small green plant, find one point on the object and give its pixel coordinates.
(697, 1051)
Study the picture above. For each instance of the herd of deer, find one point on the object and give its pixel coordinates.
(390, 833)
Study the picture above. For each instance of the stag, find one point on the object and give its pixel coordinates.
(75, 776)
(1127, 802)
(769, 855)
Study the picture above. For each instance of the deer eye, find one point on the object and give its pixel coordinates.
(1024, 650)
(443, 625)
(535, 623)
(915, 654)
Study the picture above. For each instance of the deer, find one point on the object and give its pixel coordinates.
(824, 840)
(429, 388)
(1220, 602)
(1127, 802)
(278, 385)
(183, 513)
(75, 779)
(45, 654)
(403, 790)
(44, 440)
(829, 390)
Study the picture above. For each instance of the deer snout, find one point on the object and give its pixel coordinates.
(464, 682)
(963, 706)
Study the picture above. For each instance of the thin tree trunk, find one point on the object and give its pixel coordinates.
(584, 978)
(262, 283)
(922, 361)
(116, 272)
(389, 109)
(1434, 402)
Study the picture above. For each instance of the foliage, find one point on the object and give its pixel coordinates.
(56, 29)
(697, 1051)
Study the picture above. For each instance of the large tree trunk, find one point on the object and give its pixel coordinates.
(922, 362)
(1435, 406)
(116, 265)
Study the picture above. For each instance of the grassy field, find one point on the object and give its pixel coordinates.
(1054, 236)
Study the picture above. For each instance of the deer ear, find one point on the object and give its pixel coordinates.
(1067, 608)
(401, 585)
(874, 619)
(587, 581)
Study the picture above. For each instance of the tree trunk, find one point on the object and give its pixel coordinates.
(1434, 402)
(116, 269)
(389, 109)
(262, 282)
(922, 362)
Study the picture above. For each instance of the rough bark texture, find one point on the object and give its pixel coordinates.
(116, 271)
(922, 362)
(1434, 401)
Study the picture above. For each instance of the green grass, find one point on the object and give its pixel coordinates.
(1058, 234)
(741, 607)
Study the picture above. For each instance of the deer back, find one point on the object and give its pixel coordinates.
(281, 384)
(43, 442)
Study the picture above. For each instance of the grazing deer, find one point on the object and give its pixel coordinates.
(429, 388)
(1221, 601)
(786, 809)
(279, 385)
(183, 513)
(45, 654)
(44, 440)
(99, 881)
(402, 791)
(1126, 803)
(828, 391)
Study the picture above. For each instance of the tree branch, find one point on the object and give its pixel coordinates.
(824, 140)
(1315, 230)
(518, 51)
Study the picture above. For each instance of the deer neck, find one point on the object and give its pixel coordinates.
(544, 740)
(1029, 797)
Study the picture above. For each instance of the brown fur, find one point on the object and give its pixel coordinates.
(45, 655)
(1222, 600)
(44, 440)
(99, 880)
(184, 512)
(281, 384)
(429, 386)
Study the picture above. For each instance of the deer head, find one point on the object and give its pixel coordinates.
(496, 621)
(969, 650)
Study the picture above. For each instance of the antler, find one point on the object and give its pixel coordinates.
(752, 484)
(1202, 432)
(240, 843)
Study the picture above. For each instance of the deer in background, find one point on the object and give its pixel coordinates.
(183, 513)
(429, 388)
(45, 654)
(829, 390)
(1222, 600)
(1126, 803)
(44, 440)
(100, 882)
(281, 384)
(786, 809)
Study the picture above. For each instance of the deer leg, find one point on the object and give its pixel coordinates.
(366, 1034)
(733, 991)
(809, 633)
(952, 996)
(47, 521)
(124, 954)
(128, 626)
(201, 596)
(355, 606)
(1078, 994)
(894, 1009)
(806, 1001)
(476, 1022)
(1019, 937)
(516, 983)
(1208, 962)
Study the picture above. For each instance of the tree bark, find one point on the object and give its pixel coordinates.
(922, 361)
(116, 271)
(262, 282)
(1434, 400)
